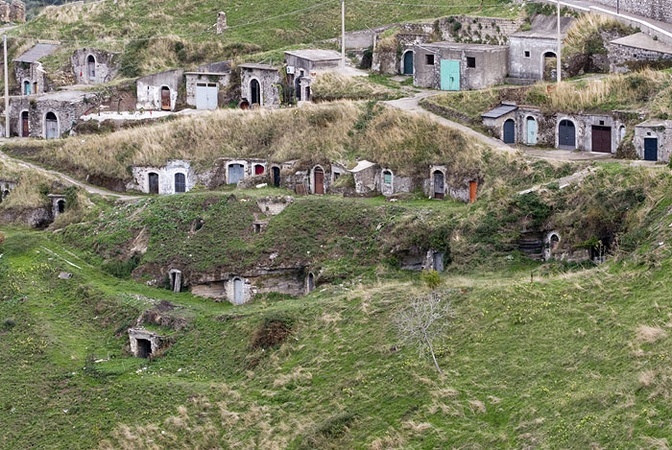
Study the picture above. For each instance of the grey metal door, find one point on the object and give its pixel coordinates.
(509, 131)
(206, 96)
(567, 135)
(439, 190)
(236, 173)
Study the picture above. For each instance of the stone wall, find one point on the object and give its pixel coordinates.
(658, 129)
(68, 107)
(166, 175)
(268, 79)
(653, 9)
(34, 75)
(623, 58)
(149, 89)
(103, 68)
(526, 56)
(193, 79)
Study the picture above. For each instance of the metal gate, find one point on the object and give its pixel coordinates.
(601, 139)
(206, 96)
(450, 75)
(650, 149)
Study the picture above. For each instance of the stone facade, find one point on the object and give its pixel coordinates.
(304, 66)
(12, 11)
(259, 86)
(175, 177)
(441, 185)
(653, 9)
(31, 78)
(634, 52)
(478, 67)
(50, 115)
(144, 343)
(655, 135)
(205, 86)
(91, 66)
(159, 91)
(240, 289)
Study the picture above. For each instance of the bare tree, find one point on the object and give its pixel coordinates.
(424, 320)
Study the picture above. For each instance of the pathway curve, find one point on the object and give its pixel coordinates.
(69, 180)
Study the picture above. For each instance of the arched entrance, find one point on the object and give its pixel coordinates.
(153, 179)
(407, 68)
(509, 132)
(165, 98)
(60, 206)
(26, 88)
(91, 68)
(25, 124)
(566, 135)
(50, 126)
(180, 183)
(276, 176)
(318, 180)
(549, 66)
(255, 92)
(310, 283)
(439, 184)
(237, 291)
(532, 130)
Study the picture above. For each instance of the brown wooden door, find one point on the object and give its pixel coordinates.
(601, 140)
(165, 98)
(319, 180)
(25, 124)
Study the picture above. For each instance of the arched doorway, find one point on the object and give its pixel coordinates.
(276, 176)
(509, 131)
(26, 88)
(50, 126)
(237, 291)
(255, 92)
(25, 124)
(566, 135)
(532, 130)
(153, 179)
(180, 183)
(165, 98)
(91, 68)
(310, 283)
(549, 66)
(318, 180)
(407, 68)
(60, 206)
(438, 184)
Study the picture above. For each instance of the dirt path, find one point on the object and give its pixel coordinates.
(68, 180)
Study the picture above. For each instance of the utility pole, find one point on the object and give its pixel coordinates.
(4, 45)
(559, 68)
(342, 33)
(618, 6)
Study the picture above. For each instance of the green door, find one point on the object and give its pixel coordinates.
(450, 75)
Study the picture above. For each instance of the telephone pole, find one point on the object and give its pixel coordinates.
(4, 45)
(559, 67)
(342, 33)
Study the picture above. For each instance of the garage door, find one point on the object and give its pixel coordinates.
(601, 141)
(206, 96)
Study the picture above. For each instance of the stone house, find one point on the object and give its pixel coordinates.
(452, 66)
(159, 91)
(28, 71)
(304, 66)
(439, 185)
(205, 84)
(259, 86)
(653, 140)
(372, 179)
(48, 116)
(175, 177)
(635, 51)
(532, 51)
(92, 66)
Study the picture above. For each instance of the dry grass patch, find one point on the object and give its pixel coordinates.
(649, 335)
(332, 86)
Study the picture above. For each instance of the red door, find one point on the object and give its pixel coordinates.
(601, 140)
(25, 126)
(319, 180)
(258, 169)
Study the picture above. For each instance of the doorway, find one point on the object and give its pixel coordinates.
(276, 176)
(408, 63)
(51, 126)
(255, 92)
(532, 130)
(601, 139)
(566, 135)
(153, 179)
(650, 149)
(165, 98)
(509, 131)
(25, 124)
(318, 177)
(91, 68)
(439, 185)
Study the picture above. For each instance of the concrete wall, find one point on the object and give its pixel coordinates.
(532, 66)
(654, 9)
(166, 174)
(491, 65)
(106, 66)
(268, 81)
(149, 89)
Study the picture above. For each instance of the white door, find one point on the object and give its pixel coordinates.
(206, 96)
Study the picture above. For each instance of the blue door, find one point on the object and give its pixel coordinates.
(408, 63)
(566, 135)
(450, 75)
(650, 149)
(236, 173)
(509, 132)
(531, 131)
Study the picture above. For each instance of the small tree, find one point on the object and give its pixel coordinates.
(424, 320)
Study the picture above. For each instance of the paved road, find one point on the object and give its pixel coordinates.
(68, 180)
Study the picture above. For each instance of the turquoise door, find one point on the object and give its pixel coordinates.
(531, 131)
(450, 75)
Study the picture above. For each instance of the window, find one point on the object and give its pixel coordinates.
(527, 53)
(471, 62)
(429, 60)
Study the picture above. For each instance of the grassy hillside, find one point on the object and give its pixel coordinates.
(577, 358)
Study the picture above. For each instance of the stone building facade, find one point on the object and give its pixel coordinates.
(175, 177)
(653, 140)
(259, 86)
(454, 67)
(636, 51)
(159, 91)
(28, 71)
(304, 66)
(205, 85)
(91, 66)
